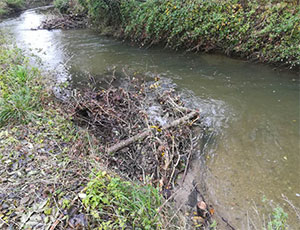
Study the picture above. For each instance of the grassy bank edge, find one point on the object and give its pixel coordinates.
(11, 7)
(32, 119)
(259, 31)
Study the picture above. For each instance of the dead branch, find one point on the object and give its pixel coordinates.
(148, 132)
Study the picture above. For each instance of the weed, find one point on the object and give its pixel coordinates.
(120, 204)
(278, 220)
(20, 88)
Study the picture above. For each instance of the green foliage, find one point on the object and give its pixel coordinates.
(62, 5)
(269, 32)
(120, 204)
(9, 6)
(106, 11)
(19, 87)
(279, 219)
(15, 4)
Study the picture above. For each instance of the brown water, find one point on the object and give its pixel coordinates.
(252, 109)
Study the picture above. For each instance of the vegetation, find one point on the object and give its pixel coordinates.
(20, 89)
(40, 144)
(8, 7)
(62, 5)
(123, 204)
(258, 30)
(279, 220)
(11, 6)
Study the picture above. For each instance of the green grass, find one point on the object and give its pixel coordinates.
(118, 204)
(20, 88)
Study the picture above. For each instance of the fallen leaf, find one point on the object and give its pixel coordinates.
(202, 205)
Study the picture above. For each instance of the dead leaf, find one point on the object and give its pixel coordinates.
(202, 205)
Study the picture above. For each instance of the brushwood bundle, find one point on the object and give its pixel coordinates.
(145, 131)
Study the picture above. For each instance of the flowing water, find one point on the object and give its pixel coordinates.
(252, 109)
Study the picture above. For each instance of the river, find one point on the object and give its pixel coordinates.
(252, 109)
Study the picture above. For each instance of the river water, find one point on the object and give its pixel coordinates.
(252, 109)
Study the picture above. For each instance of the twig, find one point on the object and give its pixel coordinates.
(293, 206)
(229, 225)
(147, 132)
(187, 163)
(56, 221)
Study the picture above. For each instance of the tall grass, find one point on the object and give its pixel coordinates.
(20, 88)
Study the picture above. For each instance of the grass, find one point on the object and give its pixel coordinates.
(20, 86)
(41, 138)
(121, 204)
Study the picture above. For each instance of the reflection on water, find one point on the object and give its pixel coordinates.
(253, 109)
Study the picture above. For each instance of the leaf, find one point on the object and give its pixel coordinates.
(82, 195)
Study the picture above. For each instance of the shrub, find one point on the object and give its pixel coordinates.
(15, 4)
(259, 30)
(62, 5)
(107, 11)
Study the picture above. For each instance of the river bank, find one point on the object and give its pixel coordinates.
(84, 56)
(257, 31)
(56, 169)
(12, 7)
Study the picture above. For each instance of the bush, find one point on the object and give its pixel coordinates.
(269, 33)
(107, 11)
(257, 30)
(15, 4)
(62, 5)
(119, 204)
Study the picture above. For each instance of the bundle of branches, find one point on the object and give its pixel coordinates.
(72, 21)
(145, 130)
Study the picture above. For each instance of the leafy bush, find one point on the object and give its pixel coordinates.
(103, 10)
(258, 30)
(120, 204)
(62, 5)
(15, 4)
(9, 6)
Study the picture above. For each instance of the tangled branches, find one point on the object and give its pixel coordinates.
(145, 131)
